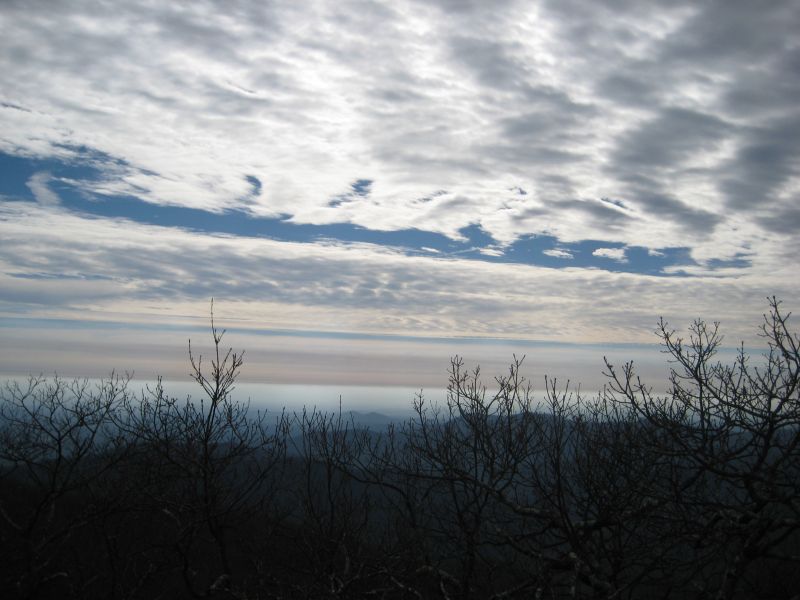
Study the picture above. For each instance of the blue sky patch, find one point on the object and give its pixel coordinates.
(361, 187)
(255, 182)
(477, 244)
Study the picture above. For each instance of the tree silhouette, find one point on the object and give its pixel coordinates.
(496, 493)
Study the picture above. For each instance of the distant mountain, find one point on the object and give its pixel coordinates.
(374, 420)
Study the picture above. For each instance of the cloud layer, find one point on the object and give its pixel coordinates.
(684, 114)
(57, 264)
(616, 130)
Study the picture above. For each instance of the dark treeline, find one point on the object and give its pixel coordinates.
(106, 493)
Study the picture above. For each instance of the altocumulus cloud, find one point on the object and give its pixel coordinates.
(584, 136)
(617, 254)
(59, 265)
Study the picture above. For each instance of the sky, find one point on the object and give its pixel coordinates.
(367, 188)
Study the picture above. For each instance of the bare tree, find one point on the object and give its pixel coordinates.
(494, 494)
(731, 432)
(57, 444)
(211, 465)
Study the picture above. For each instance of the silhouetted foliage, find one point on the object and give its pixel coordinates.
(105, 493)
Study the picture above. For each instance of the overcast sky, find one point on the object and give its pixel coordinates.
(390, 172)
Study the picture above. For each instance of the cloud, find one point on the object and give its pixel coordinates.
(673, 137)
(766, 163)
(571, 101)
(58, 264)
(617, 254)
(558, 253)
(43, 194)
(684, 114)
